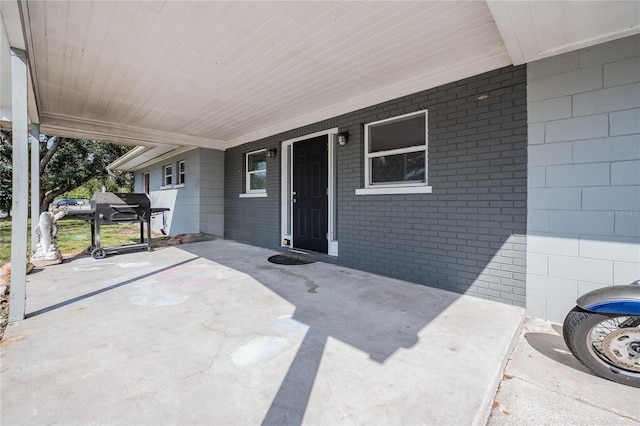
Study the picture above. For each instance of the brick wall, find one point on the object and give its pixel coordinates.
(257, 220)
(584, 174)
(467, 236)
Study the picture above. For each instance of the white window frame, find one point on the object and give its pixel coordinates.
(182, 175)
(165, 175)
(407, 187)
(253, 193)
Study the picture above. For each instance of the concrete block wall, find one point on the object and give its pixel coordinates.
(584, 174)
(467, 236)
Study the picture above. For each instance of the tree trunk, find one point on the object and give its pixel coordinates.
(47, 199)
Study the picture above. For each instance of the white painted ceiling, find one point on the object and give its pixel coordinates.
(217, 74)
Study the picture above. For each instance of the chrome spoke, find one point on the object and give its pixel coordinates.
(616, 342)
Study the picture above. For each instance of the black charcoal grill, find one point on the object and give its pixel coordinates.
(108, 208)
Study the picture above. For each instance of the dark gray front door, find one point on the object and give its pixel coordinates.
(310, 183)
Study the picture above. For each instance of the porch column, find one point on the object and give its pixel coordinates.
(35, 183)
(20, 170)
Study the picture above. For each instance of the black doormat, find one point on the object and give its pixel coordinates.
(288, 259)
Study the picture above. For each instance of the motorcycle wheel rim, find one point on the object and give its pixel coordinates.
(610, 343)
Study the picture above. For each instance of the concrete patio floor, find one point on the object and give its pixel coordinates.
(212, 333)
(545, 385)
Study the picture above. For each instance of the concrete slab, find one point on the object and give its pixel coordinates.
(545, 384)
(212, 333)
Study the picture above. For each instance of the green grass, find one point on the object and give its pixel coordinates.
(74, 236)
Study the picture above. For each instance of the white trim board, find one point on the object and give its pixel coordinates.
(286, 216)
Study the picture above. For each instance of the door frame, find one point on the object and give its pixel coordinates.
(286, 216)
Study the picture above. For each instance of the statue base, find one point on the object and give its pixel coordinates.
(42, 263)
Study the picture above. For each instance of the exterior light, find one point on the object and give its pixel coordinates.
(272, 153)
(343, 137)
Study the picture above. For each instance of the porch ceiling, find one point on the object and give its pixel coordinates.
(218, 74)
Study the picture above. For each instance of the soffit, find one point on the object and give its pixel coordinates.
(218, 74)
(535, 30)
(221, 73)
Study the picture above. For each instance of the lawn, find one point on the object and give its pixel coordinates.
(74, 236)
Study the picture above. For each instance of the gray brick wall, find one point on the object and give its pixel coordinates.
(467, 236)
(257, 220)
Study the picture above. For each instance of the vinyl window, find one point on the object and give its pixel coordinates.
(181, 173)
(396, 155)
(167, 175)
(256, 172)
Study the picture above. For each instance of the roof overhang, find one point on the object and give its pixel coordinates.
(219, 74)
(13, 27)
(142, 157)
(533, 30)
(122, 134)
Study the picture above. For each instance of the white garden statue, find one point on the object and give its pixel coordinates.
(47, 251)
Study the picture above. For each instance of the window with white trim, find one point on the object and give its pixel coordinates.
(256, 172)
(181, 172)
(167, 175)
(396, 155)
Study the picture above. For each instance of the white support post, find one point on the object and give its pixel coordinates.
(20, 193)
(35, 183)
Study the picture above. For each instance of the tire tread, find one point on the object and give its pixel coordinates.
(577, 324)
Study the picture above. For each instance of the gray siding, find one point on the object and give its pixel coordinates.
(211, 192)
(198, 205)
(467, 236)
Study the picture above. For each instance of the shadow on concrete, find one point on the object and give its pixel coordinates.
(374, 317)
(103, 290)
(553, 347)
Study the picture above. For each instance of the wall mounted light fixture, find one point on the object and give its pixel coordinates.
(343, 137)
(271, 153)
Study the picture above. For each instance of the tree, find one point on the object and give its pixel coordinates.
(110, 183)
(65, 164)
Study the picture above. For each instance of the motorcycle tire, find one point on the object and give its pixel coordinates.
(609, 345)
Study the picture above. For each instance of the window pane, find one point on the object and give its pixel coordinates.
(167, 170)
(181, 166)
(257, 161)
(398, 168)
(401, 133)
(258, 180)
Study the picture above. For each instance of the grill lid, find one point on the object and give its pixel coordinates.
(110, 207)
(102, 200)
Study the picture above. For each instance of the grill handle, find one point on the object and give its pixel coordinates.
(115, 206)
